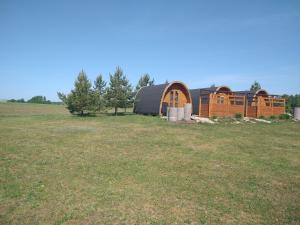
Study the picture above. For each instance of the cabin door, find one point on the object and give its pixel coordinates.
(164, 108)
(174, 98)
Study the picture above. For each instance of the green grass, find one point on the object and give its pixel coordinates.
(62, 169)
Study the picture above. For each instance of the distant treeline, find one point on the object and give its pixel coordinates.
(291, 102)
(39, 99)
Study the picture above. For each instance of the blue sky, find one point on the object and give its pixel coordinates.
(44, 44)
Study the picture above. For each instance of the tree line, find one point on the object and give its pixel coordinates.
(39, 99)
(86, 98)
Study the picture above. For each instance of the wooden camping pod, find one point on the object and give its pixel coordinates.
(155, 99)
(261, 104)
(217, 101)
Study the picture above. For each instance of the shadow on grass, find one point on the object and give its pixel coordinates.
(119, 114)
(104, 114)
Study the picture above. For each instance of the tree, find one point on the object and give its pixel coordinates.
(291, 102)
(80, 98)
(255, 86)
(119, 91)
(144, 81)
(100, 85)
(39, 100)
(99, 94)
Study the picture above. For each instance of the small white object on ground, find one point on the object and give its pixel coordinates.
(202, 119)
(262, 120)
(247, 119)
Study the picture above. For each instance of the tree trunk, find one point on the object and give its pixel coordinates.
(116, 111)
(125, 109)
(81, 113)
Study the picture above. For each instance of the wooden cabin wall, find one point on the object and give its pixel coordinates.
(183, 96)
(265, 106)
(224, 105)
(251, 111)
(204, 105)
(278, 110)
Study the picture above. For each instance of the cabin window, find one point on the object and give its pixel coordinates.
(176, 99)
(278, 104)
(236, 101)
(171, 99)
(267, 102)
(204, 99)
(220, 99)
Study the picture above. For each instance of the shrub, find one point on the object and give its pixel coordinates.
(284, 117)
(273, 117)
(261, 117)
(214, 117)
(238, 115)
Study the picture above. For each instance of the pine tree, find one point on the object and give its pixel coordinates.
(255, 86)
(145, 80)
(100, 84)
(80, 98)
(119, 91)
(99, 93)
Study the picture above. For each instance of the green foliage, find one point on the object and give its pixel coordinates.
(119, 93)
(98, 94)
(39, 100)
(284, 117)
(291, 102)
(238, 115)
(255, 86)
(214, 117)
(261, 117)
(80, 100)
(100, 84)
(21, 100)
(144, 81)
(273, 117)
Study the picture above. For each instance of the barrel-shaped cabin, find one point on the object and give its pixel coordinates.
(216, 101)
(155, 99)
(261, 104)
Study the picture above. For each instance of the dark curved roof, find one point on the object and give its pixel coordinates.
(147, 100)
(250, 93)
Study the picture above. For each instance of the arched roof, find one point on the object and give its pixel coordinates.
(220, 88)
(204, 91)
(261, 92)
(148, 100)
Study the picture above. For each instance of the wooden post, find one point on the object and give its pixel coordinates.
(209, 105)
(273, 106)
(245, 107)
(199, 106)
(227, 111)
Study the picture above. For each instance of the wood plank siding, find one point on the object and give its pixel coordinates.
(221, 105)
(265, 106)
(222, 102)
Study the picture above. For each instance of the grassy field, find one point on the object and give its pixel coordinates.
(62, 169)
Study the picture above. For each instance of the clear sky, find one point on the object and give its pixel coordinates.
(44, 44)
